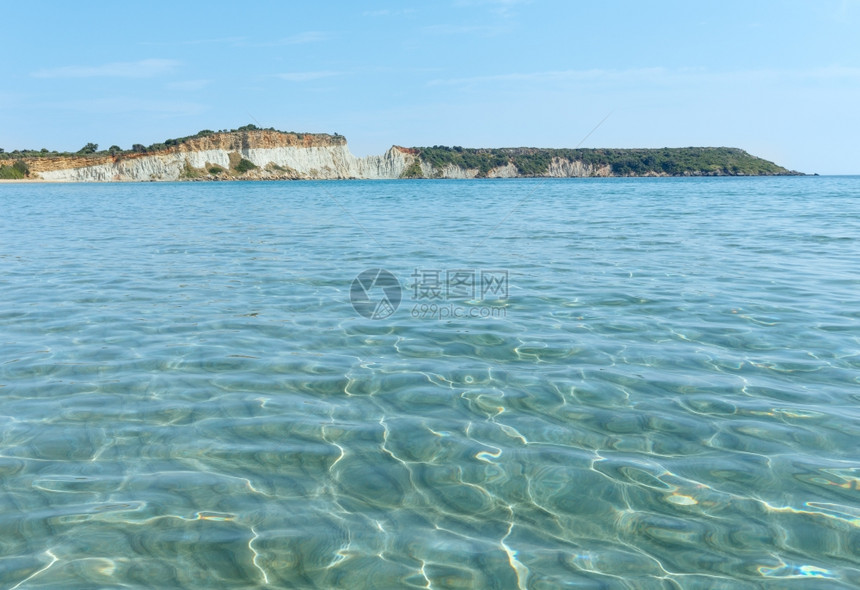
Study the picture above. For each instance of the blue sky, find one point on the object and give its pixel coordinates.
(780, 79)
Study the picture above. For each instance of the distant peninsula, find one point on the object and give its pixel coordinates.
(252, 153)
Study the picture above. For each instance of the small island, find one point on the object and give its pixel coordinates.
(252, 153)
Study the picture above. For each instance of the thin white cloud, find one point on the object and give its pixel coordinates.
(301, 38)
(551, 75)
(655, 75)
(502, 8)
(10, 99)
(213, 41)
(306, 76)
(115, 105)
(491, 2)
(297, 39)
(189, 85)
(146, 68)
(389, 12)
(458, 29)
(835, 72)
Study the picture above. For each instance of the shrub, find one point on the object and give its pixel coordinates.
(244, 166)
(16, 171)
(9, 173)
(189, 172)
(215, 170)
(413, 170)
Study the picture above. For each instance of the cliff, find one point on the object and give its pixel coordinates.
(259, 154)
(564, 163)
(256, 154)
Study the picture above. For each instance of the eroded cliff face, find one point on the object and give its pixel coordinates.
(276, 155)
(558, 168)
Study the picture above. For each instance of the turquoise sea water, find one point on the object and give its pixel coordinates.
(661, 390)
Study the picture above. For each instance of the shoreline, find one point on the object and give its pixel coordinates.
(574, 178)
(250, 153)
(32, 181)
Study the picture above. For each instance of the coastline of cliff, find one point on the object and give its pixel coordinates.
(266, 154)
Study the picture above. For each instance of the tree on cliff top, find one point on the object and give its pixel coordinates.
(90, 148)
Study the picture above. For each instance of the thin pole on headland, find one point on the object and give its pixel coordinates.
(533, 191)
(488, 234)
(593, 130)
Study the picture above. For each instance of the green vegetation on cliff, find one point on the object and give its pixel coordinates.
(16, 171)
(92, 149)
(413, 170)
(690, 161)
(244, 166)
(436, 161)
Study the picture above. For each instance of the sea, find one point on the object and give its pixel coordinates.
(439, 384)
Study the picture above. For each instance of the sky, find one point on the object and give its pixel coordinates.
(778, 78)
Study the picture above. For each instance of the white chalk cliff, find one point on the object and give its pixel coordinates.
(276, 155)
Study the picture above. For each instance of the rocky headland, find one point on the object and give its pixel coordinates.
(250, 153)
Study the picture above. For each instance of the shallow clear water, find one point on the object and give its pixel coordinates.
(668, 397)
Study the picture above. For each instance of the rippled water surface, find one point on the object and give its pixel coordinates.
(668, 397)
